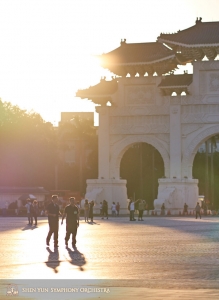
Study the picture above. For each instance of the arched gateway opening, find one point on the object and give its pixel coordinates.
(206, 170)
(142, 166)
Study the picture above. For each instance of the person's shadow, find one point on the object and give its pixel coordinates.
(29, 227)
(53, 259)
(76, 258)
(92, 223)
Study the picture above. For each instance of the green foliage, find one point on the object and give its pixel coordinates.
(27, 148)
(30, 150)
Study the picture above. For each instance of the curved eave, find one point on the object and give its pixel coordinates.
(97, 99)
(105, 65)
(174, 86)
(93, 96)
(169, 43)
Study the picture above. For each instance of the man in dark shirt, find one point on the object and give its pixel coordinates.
(71, 213)
(53, 213)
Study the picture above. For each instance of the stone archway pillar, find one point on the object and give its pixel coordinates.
(110, 190)
(174, 193)
(103, 142)
(175, 140)
(106, 186)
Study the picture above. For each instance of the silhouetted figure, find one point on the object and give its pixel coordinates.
(162, 210)
(198, 211)
(91, 213)
(29, 208)
(86, 210)
(53, 213)
(105, 209)
(141, 207)
(185, 209)
(71, 213)
(35, 211)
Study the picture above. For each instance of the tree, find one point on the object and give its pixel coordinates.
(28, 148)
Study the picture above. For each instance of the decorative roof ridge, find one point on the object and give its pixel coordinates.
(187, 45)
(197, 22)
(144, 63)
(144, 43)
(124, 44)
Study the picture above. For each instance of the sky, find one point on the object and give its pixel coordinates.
(48, 48)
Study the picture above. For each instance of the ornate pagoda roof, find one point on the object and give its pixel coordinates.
(176, 80)
(140, 58)
(196, 42)
(137, 53)
(100, 93)
(175, 83)
(202, 34)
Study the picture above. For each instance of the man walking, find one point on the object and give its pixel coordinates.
(71, 213)
(105, 209)
(185, 209)
(197, 210)
(53, 213)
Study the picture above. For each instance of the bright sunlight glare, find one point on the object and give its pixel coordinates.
(48, 47)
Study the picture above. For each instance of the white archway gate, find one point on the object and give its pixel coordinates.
(175, 126)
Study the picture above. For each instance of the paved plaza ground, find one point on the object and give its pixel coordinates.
(158, 258)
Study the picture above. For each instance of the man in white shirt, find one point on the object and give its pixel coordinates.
(131, 208)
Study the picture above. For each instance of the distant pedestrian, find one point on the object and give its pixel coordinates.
(53, 213)
(117, 208)
(71, 213)
(198, 211)
(86, 210)
(162, 210)
(113, 209)
(35, 211)
(185, 209)
(105, 209)
(91, 213)
(141, 207)
(29, 208)
(131, 208)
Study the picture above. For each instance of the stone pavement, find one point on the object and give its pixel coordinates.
(158, 258)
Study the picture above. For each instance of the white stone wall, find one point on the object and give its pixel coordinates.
(175, 126)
